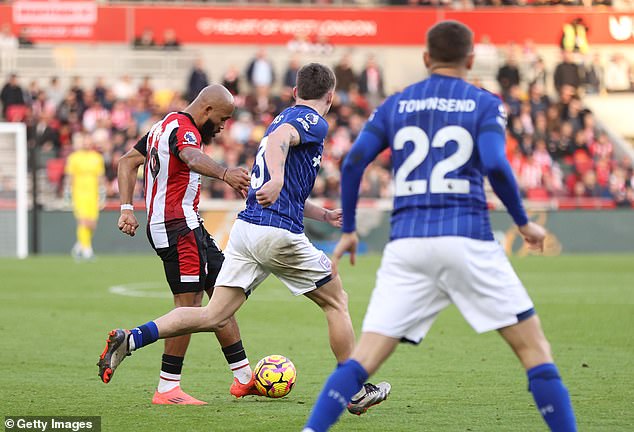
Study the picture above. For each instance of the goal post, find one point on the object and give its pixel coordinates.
(13, 190)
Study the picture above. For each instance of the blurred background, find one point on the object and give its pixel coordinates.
(103, 72)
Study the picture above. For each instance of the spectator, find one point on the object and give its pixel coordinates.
(513, 100)
(617, 74)
(12, 98)
(371, 82)
(145, 40)
(77, 87)
(197, 81)
(54, 92)
(145, 91)
(93, 114)
(100, 90)
(601, 148)
(594, 75)
(574, 36)
(260, 73)
(345, 77)
(508, 74)
(567, 72)
(538, 101)
(124, 88)
(231, 80)
(43, 134)
(574, 114)
(170, 42)
(290, 75)
(69, 110)
(538, 73)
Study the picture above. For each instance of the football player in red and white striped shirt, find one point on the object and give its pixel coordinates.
(174, 162)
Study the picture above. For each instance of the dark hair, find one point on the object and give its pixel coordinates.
(449, 42)
(314, 80)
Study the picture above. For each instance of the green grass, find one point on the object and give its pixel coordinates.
(55, 315)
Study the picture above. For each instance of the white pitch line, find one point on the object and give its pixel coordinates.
(142, 289)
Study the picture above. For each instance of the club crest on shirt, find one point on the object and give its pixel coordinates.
(312, 118)
(190, 138)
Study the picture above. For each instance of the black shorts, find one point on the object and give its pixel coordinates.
(193, 262)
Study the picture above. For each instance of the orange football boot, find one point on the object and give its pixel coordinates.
(175, 397)
(240, 390)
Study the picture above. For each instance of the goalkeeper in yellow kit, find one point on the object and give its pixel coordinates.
(85, 171)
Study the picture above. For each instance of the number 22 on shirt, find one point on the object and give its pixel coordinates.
(437, 182)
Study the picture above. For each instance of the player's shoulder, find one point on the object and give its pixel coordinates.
(489, 96)
(186, 131)
(304, 118)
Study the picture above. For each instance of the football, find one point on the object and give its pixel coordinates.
(275, 376)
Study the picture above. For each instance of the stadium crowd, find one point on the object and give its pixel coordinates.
(555, 146)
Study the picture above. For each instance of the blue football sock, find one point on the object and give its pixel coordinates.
(144, 335)
(552, 398)
(344, 383)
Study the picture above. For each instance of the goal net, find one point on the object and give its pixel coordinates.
(13, 191)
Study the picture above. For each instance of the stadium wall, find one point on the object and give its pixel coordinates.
(578, 231)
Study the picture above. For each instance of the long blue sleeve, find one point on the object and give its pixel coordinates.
(498, 169)
(364, 150)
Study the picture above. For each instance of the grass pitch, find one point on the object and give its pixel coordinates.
(56, 313)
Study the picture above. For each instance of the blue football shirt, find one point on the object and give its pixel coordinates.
(432, 128)
(301, 168)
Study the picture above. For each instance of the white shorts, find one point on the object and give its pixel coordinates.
(419, 277)
(255, 251)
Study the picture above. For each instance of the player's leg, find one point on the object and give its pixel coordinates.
(370, 353)
(168, 391)
(183, 320)
(527, 340)
(488, 293)
(87, 214)
(403, 306)
(228, 336)
(183, 269)
(333, 300)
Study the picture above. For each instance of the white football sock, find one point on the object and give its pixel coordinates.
(168, 381)
(242, 371)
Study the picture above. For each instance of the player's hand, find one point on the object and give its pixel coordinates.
(238, 178)
(334, 217)
(347, 243)
(128, 223)
(269, 192)
(534, 235)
